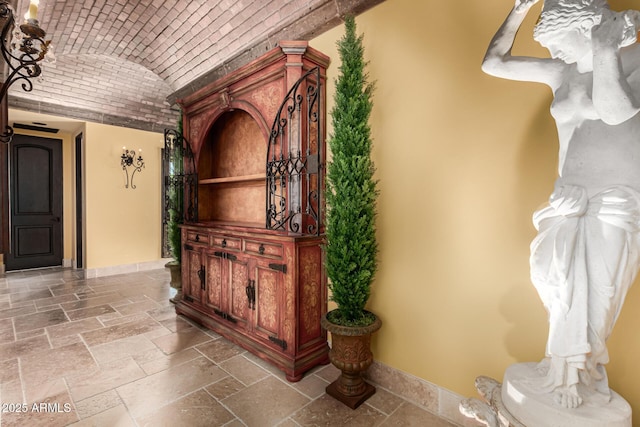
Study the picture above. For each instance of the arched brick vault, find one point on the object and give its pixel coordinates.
(125, 62)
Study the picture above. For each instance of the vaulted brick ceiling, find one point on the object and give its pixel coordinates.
(124, 62)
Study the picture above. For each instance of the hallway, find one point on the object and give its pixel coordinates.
(111, 351)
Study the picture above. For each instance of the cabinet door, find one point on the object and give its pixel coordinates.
(269, 302)
(237, 287)
(214, 280)
(192, 285)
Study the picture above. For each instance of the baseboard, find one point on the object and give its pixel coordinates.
(433, 398)
(91, 273)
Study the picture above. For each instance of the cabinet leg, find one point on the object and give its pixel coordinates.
(294, 379)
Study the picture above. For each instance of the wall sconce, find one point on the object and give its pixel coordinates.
(22, 52)
(129, 161)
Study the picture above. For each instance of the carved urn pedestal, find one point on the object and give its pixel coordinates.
(351, 353)
(175, 270)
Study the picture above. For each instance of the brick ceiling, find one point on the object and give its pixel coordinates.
(125, 62)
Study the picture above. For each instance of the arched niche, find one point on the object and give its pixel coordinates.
(231, 171)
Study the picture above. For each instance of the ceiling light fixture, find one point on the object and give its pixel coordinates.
(22, 51)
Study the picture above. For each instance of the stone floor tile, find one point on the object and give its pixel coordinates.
(29, 334)
(9, 370)
(107, 377)
(42, 390)
(30, 295)
(328, 373)
(385, 401)
(56, 363)
(17, 311)
(83, 313)
(119, 349)
(219, 350)
(181, 340)
(143, 396)
(57, 342)
(166, 313)
(159, 361)
(69, 288)
(11, 391)
(72, 328)
(119, 331)
(113, 417)
(174, 323)
(265, 402)
(24, 347)
(225, 388)
(46, 302)
(327, 411)
(243, 370)
(117, 318)
(288, 423)
(411, 415)
(311, 386)
(197, 409)
(110, 298)
(98, 403)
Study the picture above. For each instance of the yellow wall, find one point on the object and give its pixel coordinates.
(123, 225)
(463, 161)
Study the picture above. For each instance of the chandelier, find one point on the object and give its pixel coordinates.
(22, 51)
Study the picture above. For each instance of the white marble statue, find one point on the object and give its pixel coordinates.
(586, 254)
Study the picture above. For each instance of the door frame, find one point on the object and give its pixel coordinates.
(78, 228)
(54, 144)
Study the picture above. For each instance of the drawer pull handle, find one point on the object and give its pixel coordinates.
(261, 249)
(224, 243)
(197, 237)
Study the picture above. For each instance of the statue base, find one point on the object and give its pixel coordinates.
(516, 404)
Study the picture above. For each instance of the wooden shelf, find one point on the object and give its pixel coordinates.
(242, 178)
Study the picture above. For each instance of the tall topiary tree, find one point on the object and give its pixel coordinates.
(351, 192)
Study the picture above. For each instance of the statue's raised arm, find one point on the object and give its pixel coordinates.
(499, 61)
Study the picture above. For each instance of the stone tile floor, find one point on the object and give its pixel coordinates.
(111, 351)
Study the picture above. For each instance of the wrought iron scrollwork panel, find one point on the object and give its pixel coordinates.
(179, 177)
(295, 163)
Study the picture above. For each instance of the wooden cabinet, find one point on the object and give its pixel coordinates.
(264, 291)
(252, 257)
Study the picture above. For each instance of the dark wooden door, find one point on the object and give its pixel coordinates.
(36, 203)
(79, 205)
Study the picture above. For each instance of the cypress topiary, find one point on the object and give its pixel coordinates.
(351, 192)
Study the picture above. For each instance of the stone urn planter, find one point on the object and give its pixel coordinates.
(351, 353)
(176, 279)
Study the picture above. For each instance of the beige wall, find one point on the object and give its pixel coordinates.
(122, 224)
(463, 161)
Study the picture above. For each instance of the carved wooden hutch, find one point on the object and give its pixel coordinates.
(252, 257)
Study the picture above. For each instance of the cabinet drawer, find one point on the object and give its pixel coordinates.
(264, 248)
(195, 237)
(226, 242)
